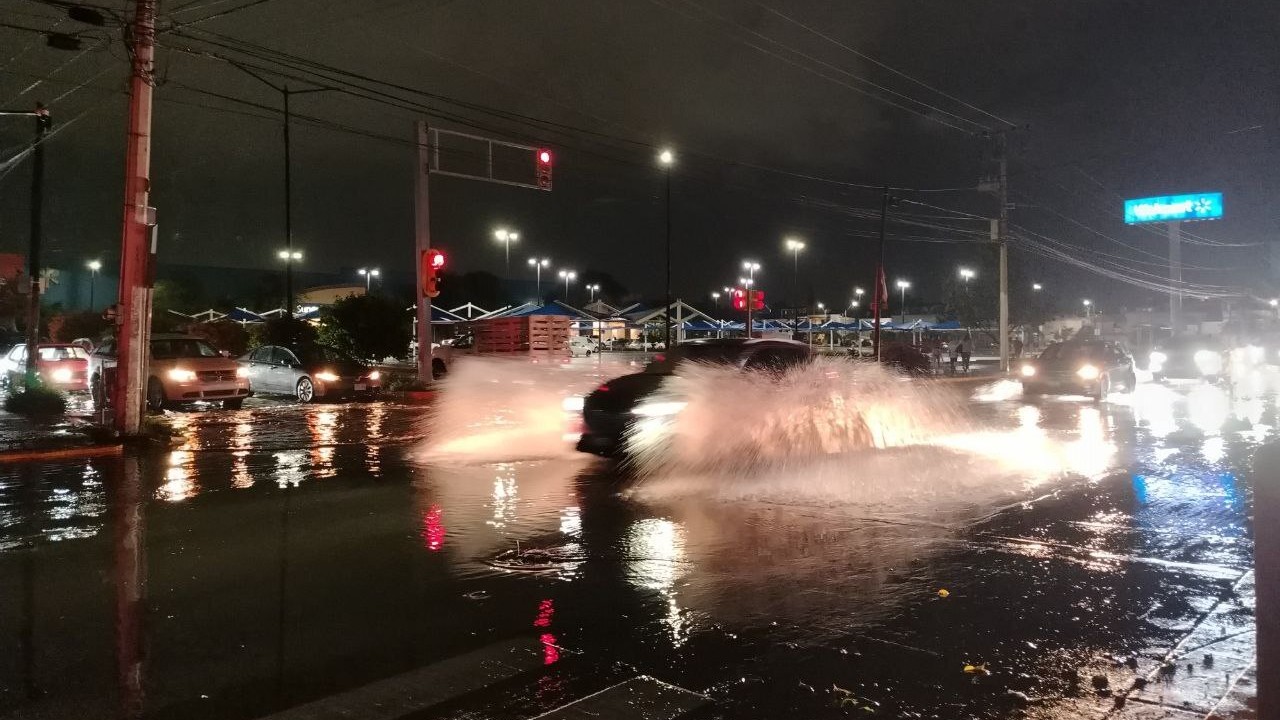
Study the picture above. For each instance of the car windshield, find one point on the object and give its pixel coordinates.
(1072, 352)
(170, 348)
(63, 352)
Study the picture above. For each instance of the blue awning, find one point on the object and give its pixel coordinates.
(241, 315)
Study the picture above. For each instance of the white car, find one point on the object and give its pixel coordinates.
(582, 346)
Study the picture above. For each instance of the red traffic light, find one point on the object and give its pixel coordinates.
(757, 299)
(435, 259)
(543, 170)
(544, 157)
(739, 299)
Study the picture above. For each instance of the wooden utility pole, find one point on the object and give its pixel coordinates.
(134, 315)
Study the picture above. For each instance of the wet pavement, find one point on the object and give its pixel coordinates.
(1056, 558)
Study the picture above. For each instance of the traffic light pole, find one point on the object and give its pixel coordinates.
(43, 122)
(422, 225)
(134, 316)
(881, 290)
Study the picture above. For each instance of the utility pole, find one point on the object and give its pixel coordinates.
(666, 313)
(1003, 232)
(43, 121)
(134, 316)
(422, 234)
(1175, 277)
(881, 286)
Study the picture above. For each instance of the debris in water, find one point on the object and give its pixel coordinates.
(979, 669)
(943, 593)
(1208, 660)
(1102, 684)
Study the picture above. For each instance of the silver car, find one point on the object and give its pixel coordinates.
(308, 373)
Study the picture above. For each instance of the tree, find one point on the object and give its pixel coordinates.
(169, 295)
(223, 335)
(281, 331)
(66, 327)
(366, 326)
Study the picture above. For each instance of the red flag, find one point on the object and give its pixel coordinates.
(883, 289)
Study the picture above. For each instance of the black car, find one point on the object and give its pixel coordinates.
(609, 411)
(308, 372)
(1079, 367)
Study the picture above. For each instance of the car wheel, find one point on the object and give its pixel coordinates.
(234, 404)
(305, 391)
(438, 369)
(155, 395)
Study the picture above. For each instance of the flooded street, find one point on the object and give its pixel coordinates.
(1048, 558)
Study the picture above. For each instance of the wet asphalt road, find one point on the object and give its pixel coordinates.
(283, 554)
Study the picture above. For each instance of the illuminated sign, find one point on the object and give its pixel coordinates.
(1173, 208)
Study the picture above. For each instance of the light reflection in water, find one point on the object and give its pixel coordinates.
(1153, 405)
(655, 553)
(323, 427)
(504, 495)
(241, 441)
(179, 484)
(1208, 407)
(433, 529)
(373, 446)
(1091, 453)
(289, 468)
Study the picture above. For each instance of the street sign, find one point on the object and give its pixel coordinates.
(1173, 208)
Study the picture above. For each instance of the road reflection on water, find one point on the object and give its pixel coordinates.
(280, 554)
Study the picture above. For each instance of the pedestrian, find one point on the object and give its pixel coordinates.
(937, 357)
(965, 352)
(955, 354)
(1017, 347)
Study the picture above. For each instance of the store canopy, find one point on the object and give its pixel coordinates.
(241, 315)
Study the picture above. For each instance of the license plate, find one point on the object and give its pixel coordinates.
(360, 386)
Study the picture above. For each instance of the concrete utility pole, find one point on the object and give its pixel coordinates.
(134, 317)
(1175, 277)
(422, 234)
(881, 284)
(1003, 242)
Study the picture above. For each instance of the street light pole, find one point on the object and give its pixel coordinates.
(903, 285)
(94, 266)
(506, 237)
(567, 275)
(667, 159)
(538, 264)
(795, 246)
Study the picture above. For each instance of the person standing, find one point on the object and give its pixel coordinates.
(965, 352)
(955, 354)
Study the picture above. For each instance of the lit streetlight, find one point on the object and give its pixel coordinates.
(94, 266)
(537, 264)
(1088, 308)
(966, 274)
(1037, 287)
(593, 288)
(667, 158)
(506, 237)
(795, 246)
(902, 286)
(289, 257)
(716, 297)
(567, 275)
(369, 275)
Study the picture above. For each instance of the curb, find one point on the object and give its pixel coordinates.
(17, 456)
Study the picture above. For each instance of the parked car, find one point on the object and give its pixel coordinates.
(59, 365)
(582, 346)
(609, 411)
(1080, 367)
(308, 373)
(183, 369)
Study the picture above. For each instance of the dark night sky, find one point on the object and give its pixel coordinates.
(1115, 98)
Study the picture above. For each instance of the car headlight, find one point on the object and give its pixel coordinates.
(1028, 370)
(61, 375)
(375, 375)
(659, 409)
(1088, 372)
(1208, 361)
(326, 376)
(1158, 358)
(573, 404)
(242, 372)
(181, 375)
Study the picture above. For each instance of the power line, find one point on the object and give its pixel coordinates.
(873, 60)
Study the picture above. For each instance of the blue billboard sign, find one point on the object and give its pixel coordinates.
(1173, 208)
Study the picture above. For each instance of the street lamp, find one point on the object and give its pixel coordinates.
(289, 257)
(795, 246)
(369, 275)
(716, 297)
(94, 266)
(537, 264)
(1088, 308)
(966, 273)
(567, 275)
(593, 288)
(751, 268)
(1275, 302)
(667, 158)
(506, 237)
(1037, 287)
(903, 285)
(822, 308)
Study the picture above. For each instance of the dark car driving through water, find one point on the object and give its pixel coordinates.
(612, 408)
(308, 372)
(1079, 367)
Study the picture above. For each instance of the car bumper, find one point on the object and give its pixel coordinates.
(1064, 384)
(197, 391)
(346, 388)
(603, 432)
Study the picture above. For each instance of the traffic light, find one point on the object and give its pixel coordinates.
(432, 263)
(739, 299)
(757, 299)
(543, 167)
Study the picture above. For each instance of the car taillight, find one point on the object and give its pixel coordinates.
(659, 357)
(603, 388)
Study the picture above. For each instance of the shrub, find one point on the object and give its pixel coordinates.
(66, 327)
(36, 400)
(281, 331)
(367, 326)
(223, 335)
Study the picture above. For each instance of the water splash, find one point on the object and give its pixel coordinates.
(719, 419)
